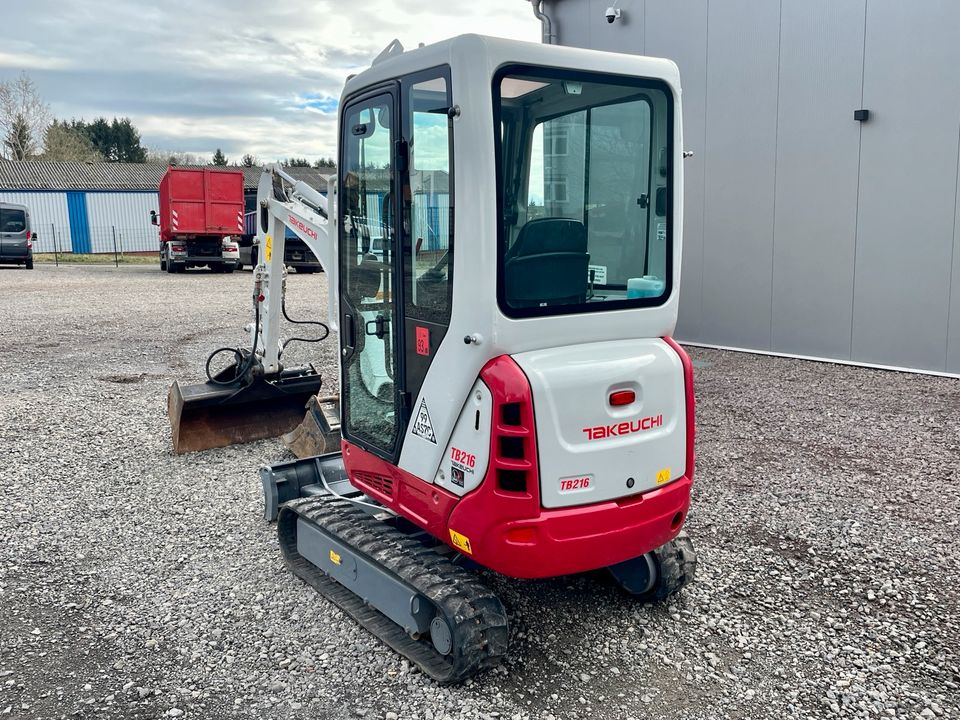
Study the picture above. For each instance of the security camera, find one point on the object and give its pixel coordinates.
(613, 13)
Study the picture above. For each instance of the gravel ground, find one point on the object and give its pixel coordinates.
(137, 584)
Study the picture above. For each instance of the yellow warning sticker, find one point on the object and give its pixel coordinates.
(461, 542)
(268, 248)
(335, 558)
(663, 476)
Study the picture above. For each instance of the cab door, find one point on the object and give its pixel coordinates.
(371, 328)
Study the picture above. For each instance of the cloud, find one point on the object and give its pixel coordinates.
(29, 61)
(263, 78)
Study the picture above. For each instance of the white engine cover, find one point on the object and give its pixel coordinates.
(590, 450)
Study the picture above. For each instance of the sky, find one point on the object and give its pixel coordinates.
(249, 77)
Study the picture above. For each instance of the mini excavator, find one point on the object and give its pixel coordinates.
(502, 253)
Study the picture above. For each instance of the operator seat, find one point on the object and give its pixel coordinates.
(547, 265)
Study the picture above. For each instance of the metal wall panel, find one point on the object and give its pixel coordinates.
(79, 221)
(124, 216)
(818, 155)
(48, 216)
(679, 32)
(953, 331)
(741, 138)
(584, 24)
(908, 183)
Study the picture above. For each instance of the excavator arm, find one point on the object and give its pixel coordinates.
(284, 202)
(255, 396)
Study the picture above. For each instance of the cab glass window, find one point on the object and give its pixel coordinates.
(585, 216)
(428, 200)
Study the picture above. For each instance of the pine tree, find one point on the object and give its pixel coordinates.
(219, 158)
(19, 142)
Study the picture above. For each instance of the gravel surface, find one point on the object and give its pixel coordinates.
(137, 584)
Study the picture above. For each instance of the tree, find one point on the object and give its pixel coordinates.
(116, 141)
(126, 142)
(296, 162)
(24, 117)
(325, 164)
(174, 157)
(18, 142)
(249, 160)
(219, 158)
(63, 141)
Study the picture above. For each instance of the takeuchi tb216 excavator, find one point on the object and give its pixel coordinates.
(502, 247)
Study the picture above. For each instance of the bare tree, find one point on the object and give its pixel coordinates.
(174, 157)
(24, 117)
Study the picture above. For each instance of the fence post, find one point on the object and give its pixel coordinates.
(121, 242)
(116, 257)
(56, 249)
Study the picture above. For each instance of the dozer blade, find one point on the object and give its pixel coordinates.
(319, 433)
(210, 416)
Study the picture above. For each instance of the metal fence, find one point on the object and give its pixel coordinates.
(55, 238)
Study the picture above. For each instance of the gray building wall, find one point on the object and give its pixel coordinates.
(806, 232)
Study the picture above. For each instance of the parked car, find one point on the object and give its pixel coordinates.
(16, 238)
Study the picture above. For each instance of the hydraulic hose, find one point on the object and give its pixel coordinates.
(326, 329)
(241, 371)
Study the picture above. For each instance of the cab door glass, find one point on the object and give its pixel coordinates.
(367, 259)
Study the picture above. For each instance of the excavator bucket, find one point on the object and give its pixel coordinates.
(319, 433)
(209, 416)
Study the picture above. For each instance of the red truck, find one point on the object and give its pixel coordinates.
(201, 214)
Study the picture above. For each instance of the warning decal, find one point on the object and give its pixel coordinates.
(422, 427)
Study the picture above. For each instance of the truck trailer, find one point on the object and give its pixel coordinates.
(201, 211)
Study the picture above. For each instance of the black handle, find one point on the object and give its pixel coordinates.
(349, 332)
(379, 326)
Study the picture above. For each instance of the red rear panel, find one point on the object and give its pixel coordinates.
(200, 201)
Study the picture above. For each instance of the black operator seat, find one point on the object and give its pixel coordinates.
(547, 265)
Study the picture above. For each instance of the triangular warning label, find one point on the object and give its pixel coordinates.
(422, 427)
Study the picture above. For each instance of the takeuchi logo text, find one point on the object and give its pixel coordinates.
(303, 227)
(599, 432)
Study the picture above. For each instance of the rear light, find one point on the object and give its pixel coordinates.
(178, 248)
(521, 536)
(622, 397)
(513, 457)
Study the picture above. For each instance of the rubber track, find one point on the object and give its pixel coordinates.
(476, 617)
